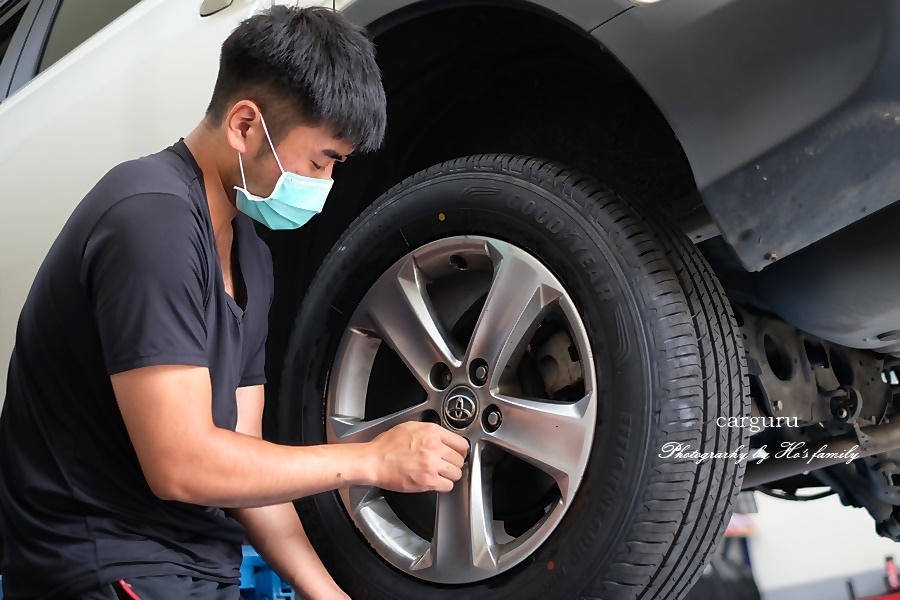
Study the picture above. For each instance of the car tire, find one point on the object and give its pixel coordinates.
(668, 359)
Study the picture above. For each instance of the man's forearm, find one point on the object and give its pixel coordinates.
(185, 457)
(233, 470)
(167, 410)
(277, 534)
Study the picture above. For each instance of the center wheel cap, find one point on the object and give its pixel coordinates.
(460, 408)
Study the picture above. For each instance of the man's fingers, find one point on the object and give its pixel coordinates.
(443, 485)
(452, 456)
(457, 442)
(451, 472)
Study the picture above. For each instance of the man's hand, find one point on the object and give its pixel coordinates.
(418, 457)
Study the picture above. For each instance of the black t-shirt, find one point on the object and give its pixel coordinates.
(132, 280)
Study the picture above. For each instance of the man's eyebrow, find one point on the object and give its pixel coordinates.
(334, 154)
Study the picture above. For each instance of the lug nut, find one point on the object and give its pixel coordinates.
(492, 419)
(478, 372)
(441, 376)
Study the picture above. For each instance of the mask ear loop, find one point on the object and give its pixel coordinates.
(271, 145)
(241, 163)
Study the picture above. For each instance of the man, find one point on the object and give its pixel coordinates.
(131, 464)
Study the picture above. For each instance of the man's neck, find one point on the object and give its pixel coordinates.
(204, 145)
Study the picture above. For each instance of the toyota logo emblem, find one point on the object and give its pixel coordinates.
(460, 409)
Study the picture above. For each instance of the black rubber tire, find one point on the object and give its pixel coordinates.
(669, 361)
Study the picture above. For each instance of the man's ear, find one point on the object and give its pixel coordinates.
(243, 128)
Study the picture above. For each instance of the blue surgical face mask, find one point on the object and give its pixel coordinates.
(294, 201)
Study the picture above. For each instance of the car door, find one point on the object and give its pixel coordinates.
(89, 84)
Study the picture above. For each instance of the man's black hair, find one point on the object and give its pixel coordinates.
(304, 66)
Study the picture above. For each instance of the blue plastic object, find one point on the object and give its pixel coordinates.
(259, 581)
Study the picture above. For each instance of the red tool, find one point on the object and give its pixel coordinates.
(892, 581)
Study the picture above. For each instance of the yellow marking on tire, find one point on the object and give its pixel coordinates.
(441, 217)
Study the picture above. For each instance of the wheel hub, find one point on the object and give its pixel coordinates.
(460, 408)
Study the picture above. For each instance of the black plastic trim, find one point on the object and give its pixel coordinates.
(33, 50)
(13, 55)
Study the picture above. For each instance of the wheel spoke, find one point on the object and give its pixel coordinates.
(355, 430)
(553, 437)
(398, 311)
(463, 539)
(369, 505)
(361, 496)
(519, 297)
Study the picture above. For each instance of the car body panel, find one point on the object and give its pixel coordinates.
(586, 14)
(761, 95)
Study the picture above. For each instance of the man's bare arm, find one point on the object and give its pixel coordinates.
(184, 456)
(275, 531)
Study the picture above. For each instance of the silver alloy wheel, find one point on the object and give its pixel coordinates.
(467, 543)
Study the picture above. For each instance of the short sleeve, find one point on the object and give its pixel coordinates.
(257, 320)
(145, 271)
